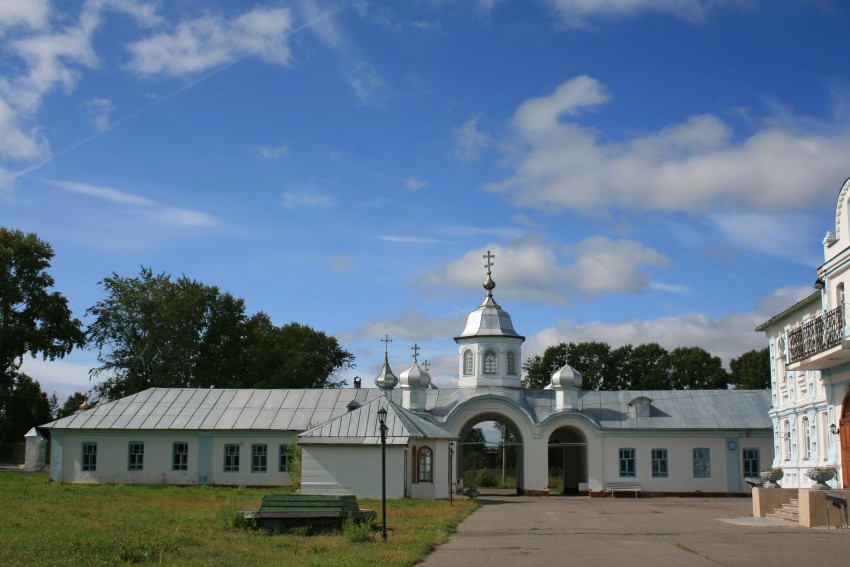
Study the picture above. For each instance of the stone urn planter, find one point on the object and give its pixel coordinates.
(820, 476)
(770, 478)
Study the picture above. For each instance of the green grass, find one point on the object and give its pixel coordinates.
(42, 523)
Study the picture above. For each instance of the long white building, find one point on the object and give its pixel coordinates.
(664, 442)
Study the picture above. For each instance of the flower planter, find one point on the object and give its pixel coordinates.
(820, 477)
(770, 478)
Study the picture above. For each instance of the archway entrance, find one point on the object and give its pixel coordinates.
(489, 455)
(567, 460)
(844, 438)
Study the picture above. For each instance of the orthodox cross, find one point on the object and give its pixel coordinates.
(426, 365)
(386, 340)
(489, 257)
(415, 349)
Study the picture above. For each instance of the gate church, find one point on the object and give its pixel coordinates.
(671, 442)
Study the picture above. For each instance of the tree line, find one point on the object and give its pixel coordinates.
(648, 367)
(150, 330)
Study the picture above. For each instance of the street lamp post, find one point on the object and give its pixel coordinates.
(451, 455)
(382, 418)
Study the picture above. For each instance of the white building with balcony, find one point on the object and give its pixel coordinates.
(810, 368)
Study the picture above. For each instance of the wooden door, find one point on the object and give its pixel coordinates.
(844, 429)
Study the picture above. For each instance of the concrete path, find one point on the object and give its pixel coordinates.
(661, 532)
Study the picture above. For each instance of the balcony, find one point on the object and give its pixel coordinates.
(819, 343)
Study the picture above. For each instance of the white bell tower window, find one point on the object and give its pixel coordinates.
(467, 362)
(489, 362)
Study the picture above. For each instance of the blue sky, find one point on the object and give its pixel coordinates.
(644, 170)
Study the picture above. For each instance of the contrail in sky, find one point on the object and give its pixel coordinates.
(68, 149)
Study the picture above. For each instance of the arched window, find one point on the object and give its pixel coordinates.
(511, 362)
(489, 362)
(467, 362)
(425, 464)
(840, 295)
(807, 438)
(786, 440)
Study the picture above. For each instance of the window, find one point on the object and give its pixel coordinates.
(659, 463)
(467, 362)
(489, 362)
(283, 458)
(136, 456)
(702, 463)
(231, 458)
(89, 457)
(425, 465)
(627, 463)
(511, 362)
(180, 456)
(807, 438)
(259, 458)
(752, 462)
(786, 440)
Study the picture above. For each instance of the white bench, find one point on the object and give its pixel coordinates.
(614, 487)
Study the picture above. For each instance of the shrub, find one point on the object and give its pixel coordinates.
(486, 478)
(357, 532)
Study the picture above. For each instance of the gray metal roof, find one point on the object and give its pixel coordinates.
(299, 410)
(361, 427)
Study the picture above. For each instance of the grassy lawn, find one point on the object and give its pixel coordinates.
(66, 524)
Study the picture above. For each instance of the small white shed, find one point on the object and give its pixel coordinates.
(343, 455)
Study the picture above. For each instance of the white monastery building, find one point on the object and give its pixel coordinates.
(662, 442)
(810, 368)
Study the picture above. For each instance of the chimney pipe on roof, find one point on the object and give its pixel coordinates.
(357, 382)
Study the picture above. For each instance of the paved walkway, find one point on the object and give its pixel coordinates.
(662, 532)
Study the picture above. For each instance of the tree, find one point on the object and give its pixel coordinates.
(152, 331)
(23, 405)
(751, 370)
(73, 404)
(33, 319)
(694, 368)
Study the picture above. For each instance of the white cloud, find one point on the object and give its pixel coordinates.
(169, 216)
(101, 110)
(32, 14)
(470, 141)
(210, 41)
(267, 152)
(369, 88)
(415, 184)
(696, 165)
(413, 325)
(576, 13)
(305, 200)
(15, 143)
(769, 234)
(599, 265)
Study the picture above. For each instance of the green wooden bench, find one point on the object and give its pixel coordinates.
(282, 510)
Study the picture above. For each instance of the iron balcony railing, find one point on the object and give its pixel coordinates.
(816, 335)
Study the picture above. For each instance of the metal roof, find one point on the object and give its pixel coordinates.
(361, 427)
(161, 409)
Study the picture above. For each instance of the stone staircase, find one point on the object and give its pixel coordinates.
(790, 511)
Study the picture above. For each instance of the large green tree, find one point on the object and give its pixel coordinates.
(33, 319)
(694, 368)
(751, 370)
(23, 405)
(154, 331)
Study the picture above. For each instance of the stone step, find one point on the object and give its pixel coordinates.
(785, 515)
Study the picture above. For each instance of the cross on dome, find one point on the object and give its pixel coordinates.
(415, 349)
(386, 340)
(489, 257)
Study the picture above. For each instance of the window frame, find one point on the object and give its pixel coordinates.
(231, 457)
(259, 458)
(180, 458)
(702, 462)
(807, 438)
(660, 463)
(628, 462)
(468, 362)
(425, 464)
(136, 458)
(89, 460)
(510, 360)
(283, 458)
(490, 362)
(752, 461)
(786, 440)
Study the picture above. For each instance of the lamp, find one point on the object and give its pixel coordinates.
(382, 419)
(833, 429)
(451, 455)
(819, 283)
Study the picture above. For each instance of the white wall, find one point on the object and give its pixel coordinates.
(351, 469)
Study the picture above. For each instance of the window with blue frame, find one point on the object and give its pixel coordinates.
(180, 456)
(283, 458)
(628, 466)
(659, 463)
(259, 458)
(752, 462)
(702, 463)
(231, 457)
(89, 457)
(136, 456)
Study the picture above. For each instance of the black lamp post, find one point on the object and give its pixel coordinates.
(382, 419)
(451, 455)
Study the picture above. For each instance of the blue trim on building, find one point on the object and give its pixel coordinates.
(204, 459)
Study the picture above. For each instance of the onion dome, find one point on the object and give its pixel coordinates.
(386, 380)
(414, 377)
(567, 377)
(489, 320)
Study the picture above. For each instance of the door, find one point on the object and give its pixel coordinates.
(844, 428)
